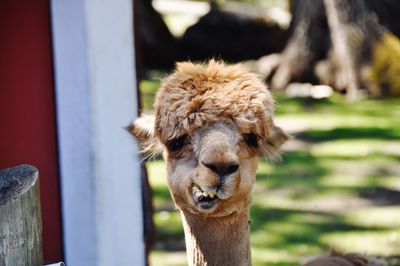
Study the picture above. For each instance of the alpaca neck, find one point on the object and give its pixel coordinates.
(217, 241)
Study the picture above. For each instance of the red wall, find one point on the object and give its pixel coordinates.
(27, 112)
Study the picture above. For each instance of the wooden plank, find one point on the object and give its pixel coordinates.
(20, 217)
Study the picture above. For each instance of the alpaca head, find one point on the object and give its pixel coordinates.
(212, 122)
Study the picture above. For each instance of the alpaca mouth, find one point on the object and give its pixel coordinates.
(203, 199)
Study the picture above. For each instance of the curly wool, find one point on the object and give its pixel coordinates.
(196, 95)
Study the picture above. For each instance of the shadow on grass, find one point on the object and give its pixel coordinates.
(306, 227)
(379, 196)
(305, 174)
(337, 105)
(297, 168)
(290, 105)
(349, 133)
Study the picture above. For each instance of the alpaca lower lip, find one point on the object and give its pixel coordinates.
(203, 200)
(208, 203)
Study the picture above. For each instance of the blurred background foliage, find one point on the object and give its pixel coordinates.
(385, 68)
(338, 184)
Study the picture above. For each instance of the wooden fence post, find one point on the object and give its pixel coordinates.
(20, 217)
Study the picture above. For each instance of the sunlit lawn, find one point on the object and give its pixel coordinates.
(338, 185)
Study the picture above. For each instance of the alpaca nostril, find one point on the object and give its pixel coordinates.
(222, 169)
(231, 169)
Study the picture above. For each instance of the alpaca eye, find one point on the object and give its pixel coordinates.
(177, 144)
(251, 139)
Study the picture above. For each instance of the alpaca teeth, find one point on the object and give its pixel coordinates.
(195, 189)
(198, 195)
(201, 195)
(212, 194)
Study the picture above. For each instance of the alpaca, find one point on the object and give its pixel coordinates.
(212, 122)
(336, 258)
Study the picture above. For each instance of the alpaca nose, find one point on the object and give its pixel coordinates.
(223, 169)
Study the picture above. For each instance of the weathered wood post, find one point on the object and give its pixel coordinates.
(20, 217)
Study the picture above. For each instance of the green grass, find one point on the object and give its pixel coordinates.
(338, 185)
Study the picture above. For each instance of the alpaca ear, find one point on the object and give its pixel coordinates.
(272, 144)
(277, 137)
(143, 129)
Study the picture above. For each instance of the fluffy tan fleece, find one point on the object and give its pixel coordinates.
(336, 258)
(199, 94)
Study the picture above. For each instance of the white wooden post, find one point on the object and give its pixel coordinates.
(95, 90)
